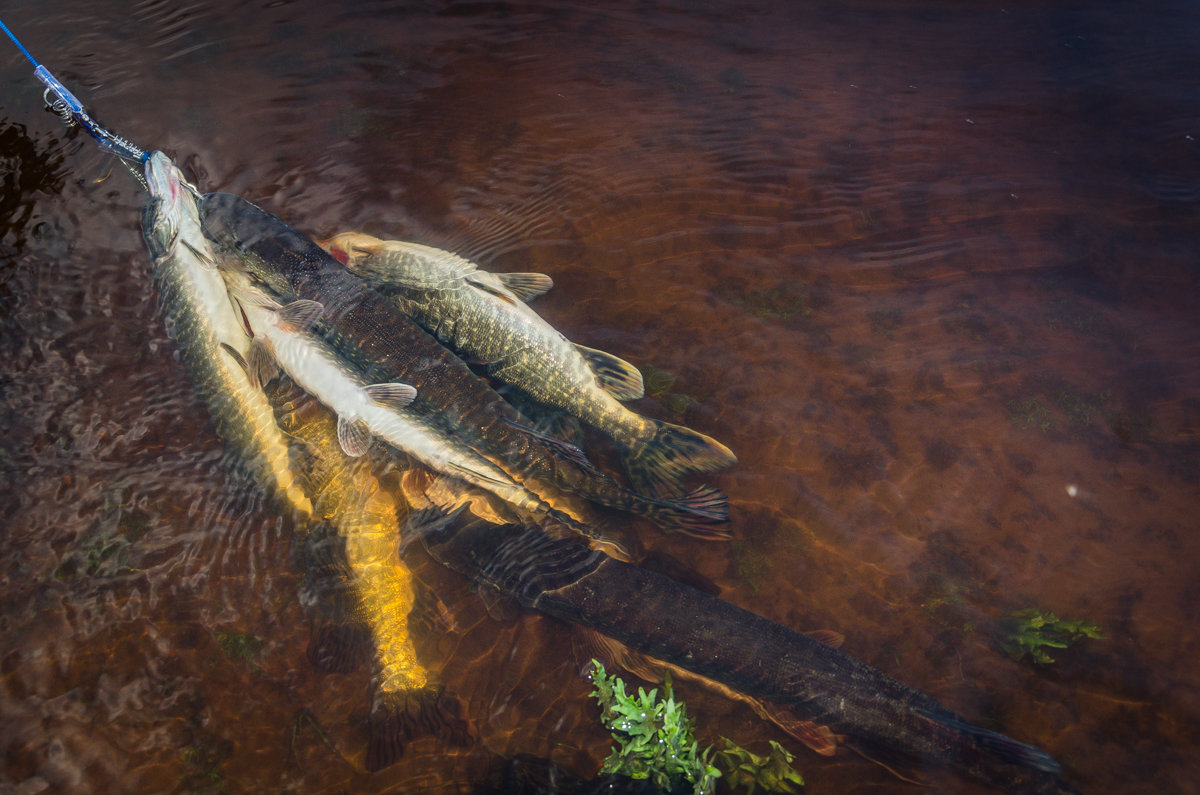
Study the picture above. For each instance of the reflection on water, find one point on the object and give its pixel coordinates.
(923, 268)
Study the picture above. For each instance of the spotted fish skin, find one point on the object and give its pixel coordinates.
(384, 345)
(365, 409)
(484, 315)
(201, 319)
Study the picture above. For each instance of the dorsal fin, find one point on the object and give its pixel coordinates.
(488, 283)
(526, 286)
(353, 436)
(618, 377)
(301, 315)
(816, 736)
(393, 396)
(829, 637)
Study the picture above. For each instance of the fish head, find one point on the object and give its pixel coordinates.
(235, 229)
(163, 212)
(350, 248)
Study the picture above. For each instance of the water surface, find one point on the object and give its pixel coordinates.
(929, 269)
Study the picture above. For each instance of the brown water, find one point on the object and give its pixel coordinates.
(929, 269)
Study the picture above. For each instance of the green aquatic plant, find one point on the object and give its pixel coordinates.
(1031, 412)
(654, 738)
(1030, 632)
(753, 564)
(239, 645)
(658, 383)
(747, 772)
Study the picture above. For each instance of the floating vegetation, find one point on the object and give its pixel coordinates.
(1030, 412)
(1030, 632)
(747, 772)
(653, 737)
(1082, 408)
(1064, 406)
(753, 564)
(655, 741)
(658, 385)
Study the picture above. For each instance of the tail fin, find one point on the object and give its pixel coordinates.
(1018, 753)
(398, 718)
(658, 465)
(694, 514)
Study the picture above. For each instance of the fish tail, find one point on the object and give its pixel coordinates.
(399, 717)
(695, 514)
(1001, 745)
(658, 464)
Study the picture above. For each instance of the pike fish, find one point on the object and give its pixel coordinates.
(364, 410)
(484, 315)
(807, 680)
(201, 319)
(359, 589)
(384, 345)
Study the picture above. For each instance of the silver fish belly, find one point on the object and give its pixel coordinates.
(201, 319)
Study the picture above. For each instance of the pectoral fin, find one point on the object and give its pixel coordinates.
(354, 437)
(566, 449)
(394, 396)
(817, 737)
(262, 367)
(618, 377)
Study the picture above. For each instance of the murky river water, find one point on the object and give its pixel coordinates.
(929, 269)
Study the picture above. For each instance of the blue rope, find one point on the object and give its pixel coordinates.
(66, 105)
(20, 46)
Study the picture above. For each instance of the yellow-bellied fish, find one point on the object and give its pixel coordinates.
(484, 315)
(356, 580)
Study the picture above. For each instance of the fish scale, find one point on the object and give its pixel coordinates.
(373, 336)
(484, 316)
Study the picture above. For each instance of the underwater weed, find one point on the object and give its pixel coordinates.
(1031, 631)
(655, 741)
(654, 737)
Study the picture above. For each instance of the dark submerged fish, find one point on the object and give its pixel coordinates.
(709, 637)
(386, 346)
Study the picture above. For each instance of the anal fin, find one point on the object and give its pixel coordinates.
(617, 377)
